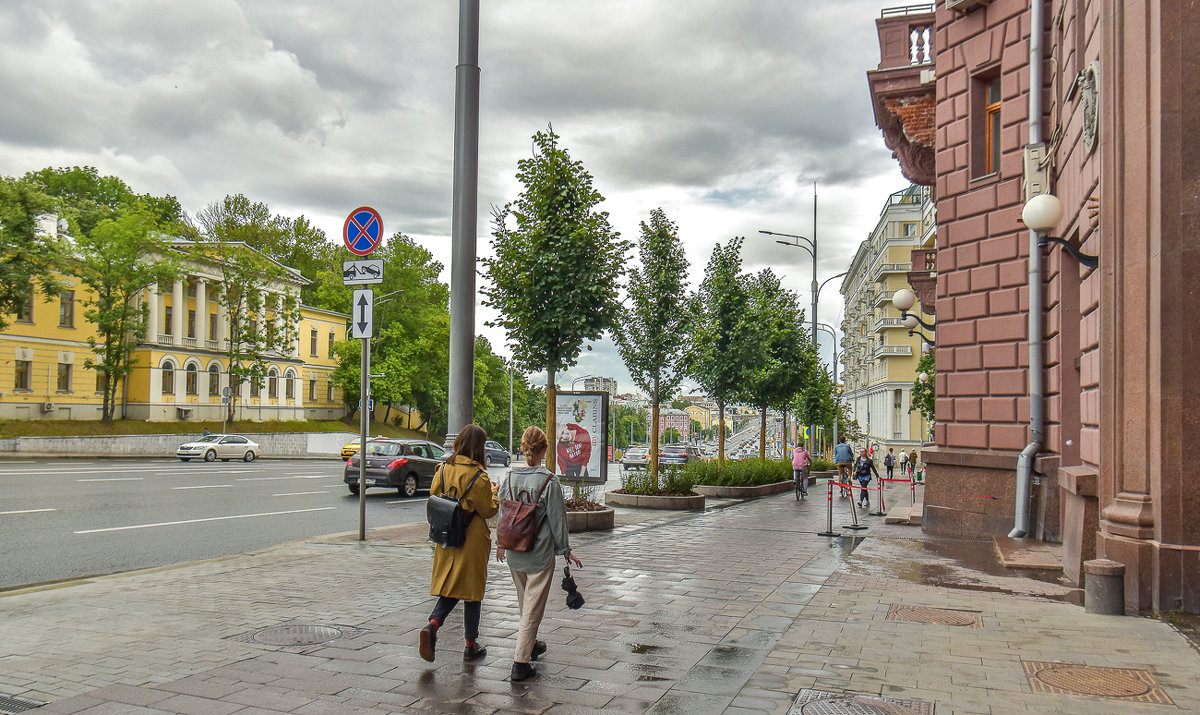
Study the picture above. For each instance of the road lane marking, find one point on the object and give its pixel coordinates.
(296, 494)
(205, 486)
(25, 511)
(198, 521)
(111, 479)
(273, 479)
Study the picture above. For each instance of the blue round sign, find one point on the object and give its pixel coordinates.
(363, 230)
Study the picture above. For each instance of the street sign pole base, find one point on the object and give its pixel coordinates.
(828, 533)
(854, 527)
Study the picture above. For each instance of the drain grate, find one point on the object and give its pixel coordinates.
(11, 704)
(820, 702)
(1130, 684)
(936, 616)
(297, 634)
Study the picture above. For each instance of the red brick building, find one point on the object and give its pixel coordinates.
(1114, 115)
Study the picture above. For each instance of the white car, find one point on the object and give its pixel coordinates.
(219, 446)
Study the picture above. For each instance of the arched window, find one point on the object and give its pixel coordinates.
(289, 385)
(273, 383)
(191, 381)
(168, 377)
(214, 380)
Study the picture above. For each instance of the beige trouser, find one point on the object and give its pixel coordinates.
(532, 591)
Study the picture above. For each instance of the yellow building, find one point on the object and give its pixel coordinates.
(180, 370)
(879, 357)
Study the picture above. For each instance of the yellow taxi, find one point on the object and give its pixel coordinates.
(353, 446)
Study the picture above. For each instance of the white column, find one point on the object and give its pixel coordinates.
(179, 308)
(295, 343)
(222, 321)
(152, 325)
(201, 312)
(279, 327)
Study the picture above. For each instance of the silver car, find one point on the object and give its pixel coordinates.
(224, 447)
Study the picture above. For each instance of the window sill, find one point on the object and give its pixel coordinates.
(66, 327)
(22, 390)
(64, 392)
(986, 178)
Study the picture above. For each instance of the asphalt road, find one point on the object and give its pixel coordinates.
(69, 518)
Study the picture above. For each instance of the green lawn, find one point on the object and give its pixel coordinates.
(70, 428)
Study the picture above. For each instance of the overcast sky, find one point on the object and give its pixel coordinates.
(722, 113)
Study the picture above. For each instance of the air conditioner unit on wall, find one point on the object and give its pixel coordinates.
(48, 407)
(964, 5)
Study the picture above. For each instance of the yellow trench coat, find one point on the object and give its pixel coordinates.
(462, 573)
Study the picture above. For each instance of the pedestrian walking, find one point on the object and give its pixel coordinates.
(912, 462)
(863, 468)
(533, 570)
(889, 462)
(460, 574)
(843, 457)
(800, 460)
(903, 460)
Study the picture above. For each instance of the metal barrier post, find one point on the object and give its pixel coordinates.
(882, 509)
(829, 500)
(853, 513)
(912, 489)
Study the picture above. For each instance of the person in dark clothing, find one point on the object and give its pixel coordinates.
(863, 468)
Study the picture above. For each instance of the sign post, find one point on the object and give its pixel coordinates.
(362, 234)
(225, 393)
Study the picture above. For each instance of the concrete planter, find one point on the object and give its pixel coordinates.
(591, 520)
(644, 501)
(761, 490)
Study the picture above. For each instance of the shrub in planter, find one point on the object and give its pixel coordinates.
(747, 473)
(820, 464)
(674, 481)
(577, 497)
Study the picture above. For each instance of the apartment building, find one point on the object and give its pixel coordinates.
(878, 355)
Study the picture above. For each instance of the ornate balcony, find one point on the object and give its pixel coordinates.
(902, 88)
(923, 277)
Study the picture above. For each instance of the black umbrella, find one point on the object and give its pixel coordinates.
(574, 598)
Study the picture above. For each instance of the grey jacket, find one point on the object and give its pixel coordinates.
(552, 538)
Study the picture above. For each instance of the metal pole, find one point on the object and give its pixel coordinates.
(364, 424)
(829, 510)
(812, 429)
(460, 397)
(510, 409)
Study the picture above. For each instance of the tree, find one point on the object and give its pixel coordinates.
(27, 257)
(652, 331)
(118, 259)
(923, 395)
(629, 426)
(718, 336)
(87, 198)
(557, 263)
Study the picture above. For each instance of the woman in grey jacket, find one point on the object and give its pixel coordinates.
(533, 570)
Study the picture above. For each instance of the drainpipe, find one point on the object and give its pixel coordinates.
(1025, 463)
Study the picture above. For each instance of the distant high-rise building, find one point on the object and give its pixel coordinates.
(600, 384)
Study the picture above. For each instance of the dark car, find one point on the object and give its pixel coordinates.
(406, 465)
(678, 454)
(495, 454)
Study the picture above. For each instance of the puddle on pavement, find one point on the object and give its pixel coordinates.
(969, 564)
(641, 648)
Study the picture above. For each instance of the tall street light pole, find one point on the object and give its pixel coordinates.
(460, 406)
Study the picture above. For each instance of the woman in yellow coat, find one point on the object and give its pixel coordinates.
(460, 574)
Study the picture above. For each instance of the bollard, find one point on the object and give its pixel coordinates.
(882, 509)
(853, 513)
(912, 490)
(829, 500)
(1104, 587)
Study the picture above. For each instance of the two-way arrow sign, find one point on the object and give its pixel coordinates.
(364, 308)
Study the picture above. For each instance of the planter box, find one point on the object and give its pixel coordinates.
(591, 520)
(761, 490)
(643, 501)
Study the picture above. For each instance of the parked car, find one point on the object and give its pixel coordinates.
(406, 465)
(635, 458)
(495, 454)
(225, 447)
(352, 447)
(678, 454)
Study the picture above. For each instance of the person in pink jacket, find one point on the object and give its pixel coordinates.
(800, 461)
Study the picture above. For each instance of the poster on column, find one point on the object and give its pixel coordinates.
(581, 442)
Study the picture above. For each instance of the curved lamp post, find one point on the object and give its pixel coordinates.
(904, 299)
(1041, 214)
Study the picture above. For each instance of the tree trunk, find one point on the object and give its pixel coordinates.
(721, 438)
(785, 430)
(654, 435)
(387, 413)
(551, 431)
(762, 435)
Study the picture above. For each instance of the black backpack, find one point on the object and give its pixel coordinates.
(448, 521)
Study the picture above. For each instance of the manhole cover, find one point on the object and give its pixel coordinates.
(1074, 679)
(296, 634)
(936, 616)
(820, 702)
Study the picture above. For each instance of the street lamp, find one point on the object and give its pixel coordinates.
(1041, 214)
(903, 300)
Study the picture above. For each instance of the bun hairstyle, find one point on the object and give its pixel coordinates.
(533, 442)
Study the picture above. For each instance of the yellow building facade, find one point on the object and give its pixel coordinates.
(180, 370)
(879, 357)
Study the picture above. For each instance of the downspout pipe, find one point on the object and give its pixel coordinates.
(1037, 390)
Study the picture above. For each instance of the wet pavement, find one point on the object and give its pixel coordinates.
(736, 609)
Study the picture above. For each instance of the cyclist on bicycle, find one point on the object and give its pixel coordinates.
(843, 457)
(800, 460)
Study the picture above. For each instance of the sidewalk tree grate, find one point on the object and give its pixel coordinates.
(935, 616)
(11, 704)
(1131, 684)
(821, 702)
(297, 634)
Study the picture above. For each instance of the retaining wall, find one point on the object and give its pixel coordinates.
(283, 444)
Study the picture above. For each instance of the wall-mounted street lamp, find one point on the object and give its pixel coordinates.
(1041, 214)
(904, 299)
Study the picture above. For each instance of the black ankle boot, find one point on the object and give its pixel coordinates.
(522, 671)
(474, 652)
(539, 648)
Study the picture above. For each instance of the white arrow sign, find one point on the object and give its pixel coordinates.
(363, 309)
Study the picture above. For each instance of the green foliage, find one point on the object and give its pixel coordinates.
(86, 198)
(671, 481)
(628, 421)
(27, 258)
(923, 395)
(747, 473)
(820, 464)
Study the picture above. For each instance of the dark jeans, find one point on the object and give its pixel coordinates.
(865, 496)
(471, 612)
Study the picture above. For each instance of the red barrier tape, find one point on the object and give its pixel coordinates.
(906, 481)
(844, 486)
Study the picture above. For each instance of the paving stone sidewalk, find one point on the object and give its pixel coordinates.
(737, 609)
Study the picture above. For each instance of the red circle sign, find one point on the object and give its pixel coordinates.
(363, 230)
